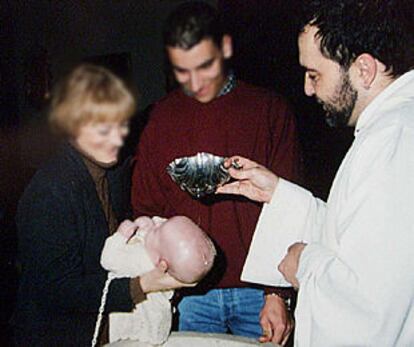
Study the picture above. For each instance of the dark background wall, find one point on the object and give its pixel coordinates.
(42, 39)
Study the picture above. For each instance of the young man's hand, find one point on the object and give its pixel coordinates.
(275, 321)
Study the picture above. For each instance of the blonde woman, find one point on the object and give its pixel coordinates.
(68, 210)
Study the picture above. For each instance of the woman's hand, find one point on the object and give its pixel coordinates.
(159, 279)
(253, 181)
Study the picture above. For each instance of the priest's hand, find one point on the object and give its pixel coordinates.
(290, 263)
(253, 181)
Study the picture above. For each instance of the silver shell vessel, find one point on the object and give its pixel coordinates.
(199, 174)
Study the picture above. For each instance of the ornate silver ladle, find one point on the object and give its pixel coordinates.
(200, 174)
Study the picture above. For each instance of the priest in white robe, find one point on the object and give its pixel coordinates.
(351, 258)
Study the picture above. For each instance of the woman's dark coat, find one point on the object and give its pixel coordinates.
(62, 230)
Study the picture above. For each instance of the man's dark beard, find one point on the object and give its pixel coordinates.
(339, 109)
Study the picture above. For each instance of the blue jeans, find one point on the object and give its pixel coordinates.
(234, 310)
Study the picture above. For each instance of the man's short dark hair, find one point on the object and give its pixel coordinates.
(348, 28)
(192, 22)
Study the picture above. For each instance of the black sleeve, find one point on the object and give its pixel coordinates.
(51, 253)
(119, 179)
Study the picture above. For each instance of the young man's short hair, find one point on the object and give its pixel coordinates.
(192, 22)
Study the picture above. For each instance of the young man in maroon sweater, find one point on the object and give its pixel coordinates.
(213, 112)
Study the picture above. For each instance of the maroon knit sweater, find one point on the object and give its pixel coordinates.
(248, 121)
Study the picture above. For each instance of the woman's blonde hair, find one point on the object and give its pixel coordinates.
(89, 94)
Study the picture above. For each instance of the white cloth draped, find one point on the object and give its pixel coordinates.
(150, 321)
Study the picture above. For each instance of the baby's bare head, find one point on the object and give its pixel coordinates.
(188, 250)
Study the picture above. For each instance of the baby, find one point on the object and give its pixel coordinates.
(136, 248)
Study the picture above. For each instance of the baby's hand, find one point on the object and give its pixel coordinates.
(127, 229)
(158, 220)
